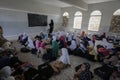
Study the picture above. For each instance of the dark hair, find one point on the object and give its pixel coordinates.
(87, 66)
(52, 21)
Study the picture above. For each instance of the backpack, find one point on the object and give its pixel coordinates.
(24, 50)
(45, 71)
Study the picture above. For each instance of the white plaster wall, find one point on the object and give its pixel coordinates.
(71, 11)
(14, 20)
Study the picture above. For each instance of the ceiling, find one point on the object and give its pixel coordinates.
(81, 4)
(56, 3)
(96, 1)
(60, 3)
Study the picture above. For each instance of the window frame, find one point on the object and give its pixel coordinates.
(77, 15)
(92, 21)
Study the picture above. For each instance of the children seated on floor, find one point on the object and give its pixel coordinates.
(41, 50)
(55, 47)
(62, 62)
(83, 72)
(72, 46)
(23, 38)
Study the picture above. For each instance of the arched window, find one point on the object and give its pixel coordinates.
(95, 19)
(115, 22)
(65, 18)
(66, 14)
(117, 12)
(77, 20)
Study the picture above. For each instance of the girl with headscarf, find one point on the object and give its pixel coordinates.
(42, 49)
(37, 42)
(83, 73)
(64, 58)
(69, 37)
(78, 40)
(20, 37)
(73, 45)
(92, 52)
(63, 41)
(106, 44)
(30, 46)
(83, 33)
(24, 39)
(63, 61)
(55, 47)
(30, 43)
(5, 73)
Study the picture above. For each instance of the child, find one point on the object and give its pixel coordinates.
(63, 61)
(83, 73)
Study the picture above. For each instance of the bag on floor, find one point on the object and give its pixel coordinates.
(24, 50)
(20, 68)
(104, 72)
(45, 71)
(34, 51)
(48, 56)
(32, 74)
(90, 57)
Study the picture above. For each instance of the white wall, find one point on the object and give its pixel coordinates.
(14, 20)
(71, 11)
(106, 8)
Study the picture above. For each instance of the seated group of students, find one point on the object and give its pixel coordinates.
(76, 45)
(67, 44)
(12, 68)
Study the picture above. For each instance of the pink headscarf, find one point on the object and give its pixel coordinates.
(42, 45)
(62, 38)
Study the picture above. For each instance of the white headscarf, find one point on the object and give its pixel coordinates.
(69, 36)
(91, 43)
(78, 40)
(24, 36)
(61, 33)
(82, 46)
(5, 72)
(46, 36)
(106, 44)
(54, 38)
(75, 35)
(73, 45)
(30, 43)
(64, 57)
